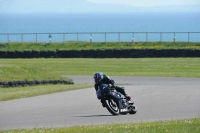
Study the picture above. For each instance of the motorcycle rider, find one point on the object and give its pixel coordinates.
(100, 78)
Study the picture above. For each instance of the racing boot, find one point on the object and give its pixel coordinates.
(122, 90)
(128, 97)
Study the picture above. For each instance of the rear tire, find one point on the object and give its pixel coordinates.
(112, 106)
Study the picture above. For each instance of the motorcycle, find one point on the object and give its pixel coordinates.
(115, 102)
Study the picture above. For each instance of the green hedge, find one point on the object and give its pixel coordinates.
(32, 83)
(111, 53)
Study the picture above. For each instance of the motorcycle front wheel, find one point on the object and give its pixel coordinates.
(112, 106)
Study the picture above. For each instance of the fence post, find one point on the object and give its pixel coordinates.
(21, 37)
(174, 37)
(36, 37)
(118, 37)
(105, 37)
(90, 38)
(160, 36)
(146, 36)
(63, 37)
(8, 37)
(77, 38)
(133, 38)
(50, 36)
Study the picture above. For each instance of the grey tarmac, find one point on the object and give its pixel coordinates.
(157, 98)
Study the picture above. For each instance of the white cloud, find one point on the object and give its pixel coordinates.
(145, 3)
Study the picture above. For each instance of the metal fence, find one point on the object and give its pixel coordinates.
(101, 37)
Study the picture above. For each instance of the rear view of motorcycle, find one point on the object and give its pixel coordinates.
(114, 101)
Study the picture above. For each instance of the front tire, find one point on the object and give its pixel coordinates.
(112, 106)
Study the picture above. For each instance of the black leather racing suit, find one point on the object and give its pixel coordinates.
(107, 80)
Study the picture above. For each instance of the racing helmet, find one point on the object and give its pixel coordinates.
(98, 77)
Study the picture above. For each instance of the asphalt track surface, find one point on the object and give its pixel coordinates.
(156, 99)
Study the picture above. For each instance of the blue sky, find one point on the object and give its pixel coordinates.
(80, 6)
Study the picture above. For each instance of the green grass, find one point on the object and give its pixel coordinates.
(29, 91)
(33, 69)
(27, 46)
(14, 69)
(25, 69)
(174, 126)
(36, 69)
(39, 69)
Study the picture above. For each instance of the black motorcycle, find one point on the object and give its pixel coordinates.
(114, 101)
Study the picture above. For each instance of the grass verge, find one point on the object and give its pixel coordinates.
(174, 126)
(29, 91)
(27, 46)
(40, 69)
(22, 69)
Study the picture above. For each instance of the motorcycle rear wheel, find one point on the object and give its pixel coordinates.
(112, 106)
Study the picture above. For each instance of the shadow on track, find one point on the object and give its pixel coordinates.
(94, 116)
